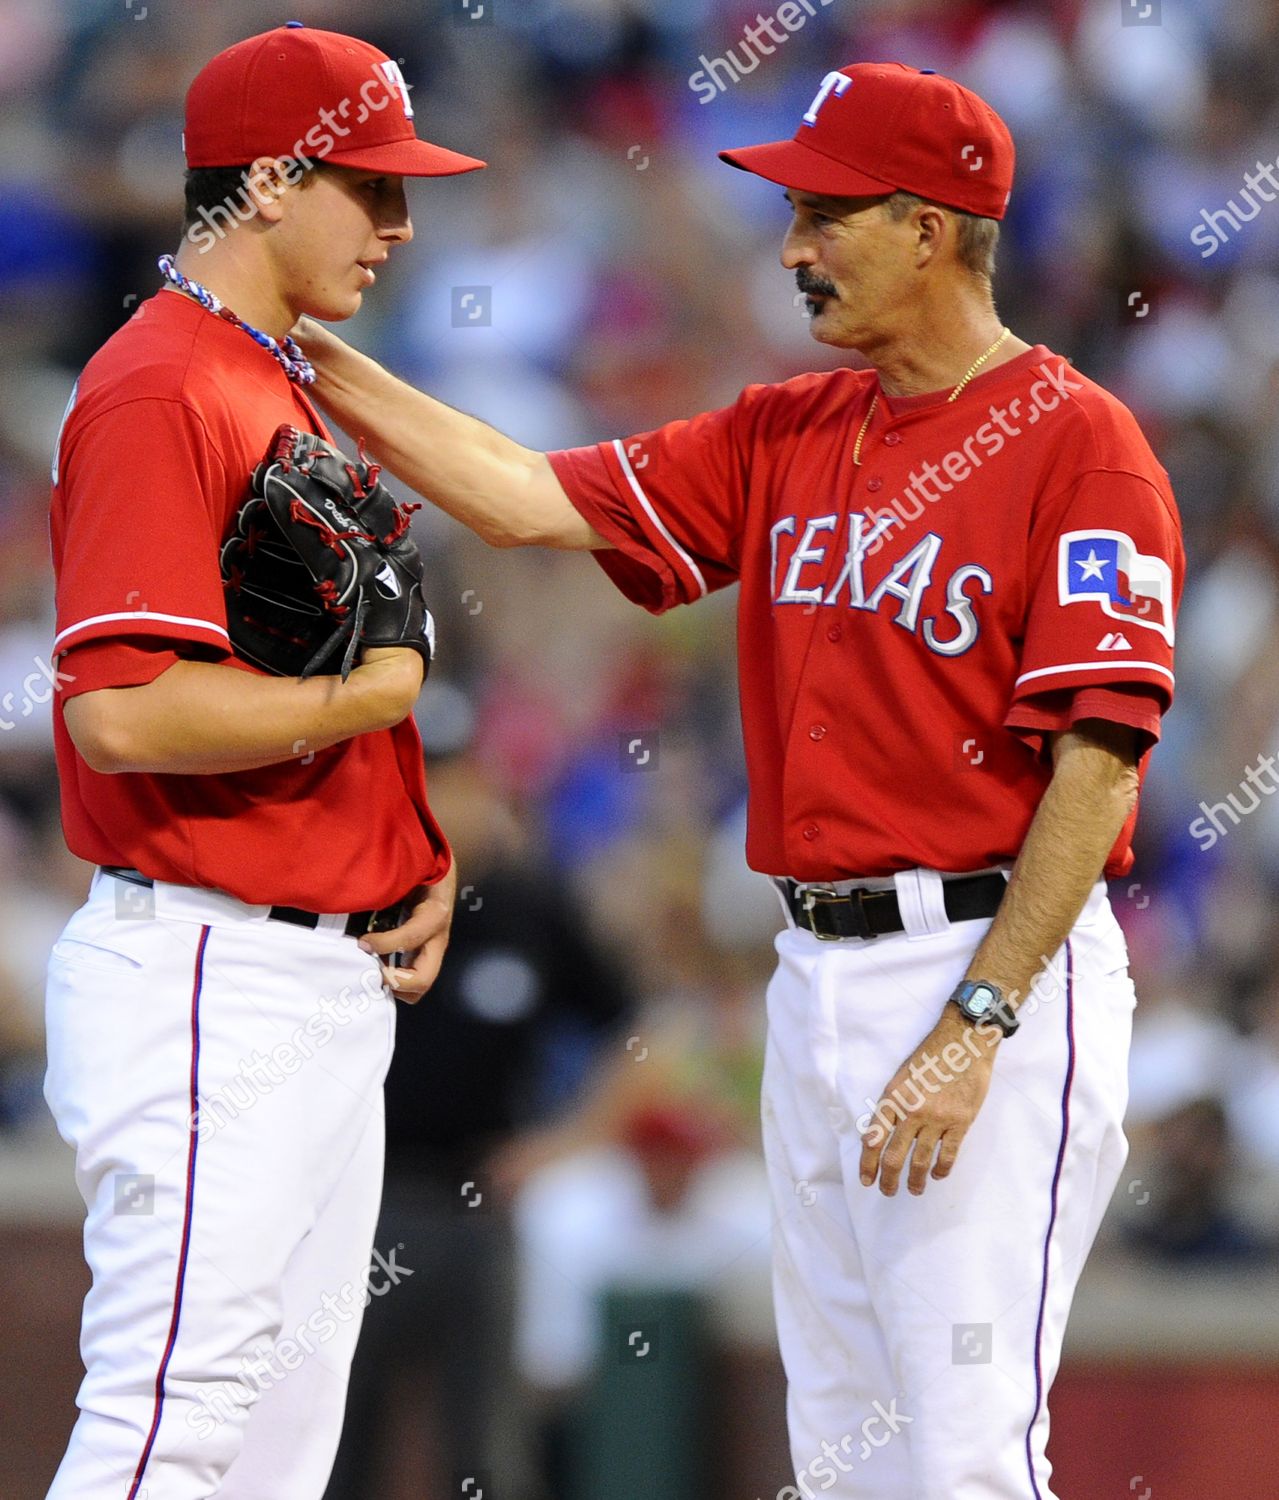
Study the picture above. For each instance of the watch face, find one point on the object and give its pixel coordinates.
(979, 1001)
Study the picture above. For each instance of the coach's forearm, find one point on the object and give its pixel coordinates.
(507, 494)
(1093, 789)
(205, 719)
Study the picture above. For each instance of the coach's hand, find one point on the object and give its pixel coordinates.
(423, 939)
(928, 1104)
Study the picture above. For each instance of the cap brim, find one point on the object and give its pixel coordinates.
(408, 158)
(794, 165)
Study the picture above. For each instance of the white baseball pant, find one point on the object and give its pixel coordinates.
(220, 1077)
(920, 1336)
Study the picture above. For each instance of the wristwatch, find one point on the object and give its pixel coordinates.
(983, 1004)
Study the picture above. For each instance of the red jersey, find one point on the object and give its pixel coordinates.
(157, 447)
(908, 628)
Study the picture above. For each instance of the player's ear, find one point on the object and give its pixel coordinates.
(266, 181)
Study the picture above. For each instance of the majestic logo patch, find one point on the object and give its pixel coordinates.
(1105, 566)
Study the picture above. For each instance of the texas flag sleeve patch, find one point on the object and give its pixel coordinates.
(1105, 567)
(1102, 602)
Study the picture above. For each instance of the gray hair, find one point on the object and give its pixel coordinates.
(977, 238)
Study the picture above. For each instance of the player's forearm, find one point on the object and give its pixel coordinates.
(507, 494)
(204, 719)
(1094, 788)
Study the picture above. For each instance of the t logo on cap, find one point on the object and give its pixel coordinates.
(836, 82)
(906, 130)
(391, 71)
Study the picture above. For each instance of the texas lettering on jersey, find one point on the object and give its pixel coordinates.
(902, 585)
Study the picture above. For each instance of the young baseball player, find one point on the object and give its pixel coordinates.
(958, 575)
(218, 1025)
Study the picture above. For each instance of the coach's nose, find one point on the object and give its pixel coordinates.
(797, 249)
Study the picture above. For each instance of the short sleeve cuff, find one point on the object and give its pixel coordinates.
(642, 575)
(112, 664)
(142, 623)
(1033, 718)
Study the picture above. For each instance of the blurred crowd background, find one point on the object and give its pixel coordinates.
(619, 275)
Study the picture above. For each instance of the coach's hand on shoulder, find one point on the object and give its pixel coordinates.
(313, 336)
(330, 356)
(929, 1104)
(422, 940)
(509, 495)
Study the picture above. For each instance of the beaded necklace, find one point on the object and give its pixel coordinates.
(289, 354)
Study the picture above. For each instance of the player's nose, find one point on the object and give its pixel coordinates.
(396, 224)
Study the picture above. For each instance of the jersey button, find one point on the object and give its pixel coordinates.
(811, 831)
(875, 485)
(835, 633)
(817, 732)
(891, 439)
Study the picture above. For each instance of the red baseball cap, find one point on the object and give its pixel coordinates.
(877, 128)
(299, 92)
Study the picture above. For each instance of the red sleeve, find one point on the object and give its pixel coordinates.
(1138, 706)
(137, 522)
(115, 664)
(672, 503)
(1106, 568)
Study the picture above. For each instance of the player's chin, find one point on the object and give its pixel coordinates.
(335, 305)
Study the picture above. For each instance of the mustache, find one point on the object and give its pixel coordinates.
(813, 286)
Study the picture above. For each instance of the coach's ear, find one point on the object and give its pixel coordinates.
(930, 224)
(267, 180)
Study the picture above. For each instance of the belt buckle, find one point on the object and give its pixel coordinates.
(810, 896)
(855, 904)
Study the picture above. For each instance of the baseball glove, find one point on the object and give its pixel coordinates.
(320, 563)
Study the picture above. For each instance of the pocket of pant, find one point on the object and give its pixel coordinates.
(1103, 938)
(76, 953)
(1113, 947)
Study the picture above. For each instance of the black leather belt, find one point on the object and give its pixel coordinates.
(869, 914)
(357, 924)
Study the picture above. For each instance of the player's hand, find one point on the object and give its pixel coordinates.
(422, 940)
(393, 676)
(928, 1107)
(401, 659)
